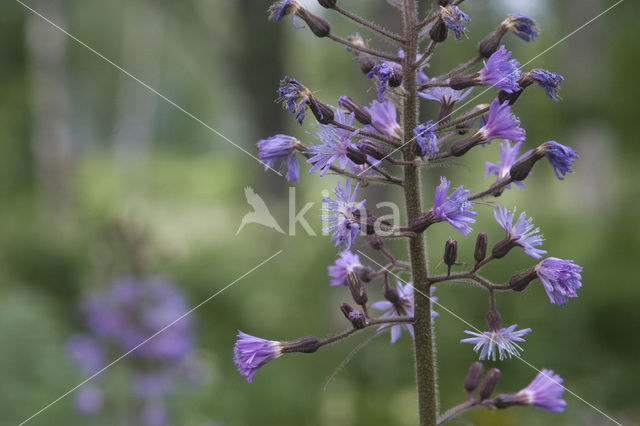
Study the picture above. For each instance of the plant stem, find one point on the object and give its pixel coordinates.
(423, 342)
(455, 411)
(369, 25)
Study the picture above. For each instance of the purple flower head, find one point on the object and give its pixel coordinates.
(334, 147)
(280, 9)
(544, 392)
(340, 214)
(294, 97)
(522, 26)
(501, 124)
(250, 353)
(89, 399)
(508, 156)
(154, 413)
(404, 308)
(501, 342)
(346, 263)
(280, 147)
(384, 119)
(426, 138)
(455, 208)
(549, 81)
(501, 72)
(384, 72)
(445, 95)
(523, 233)
(561, 279)
(86, 352)
(455, 20)
(560, 157)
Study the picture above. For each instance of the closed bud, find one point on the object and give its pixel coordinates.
(356, 156)
(346, 309)
(439, 31)
(521, 280)
(322, 112)
(480, 251)
(494, 320)
(328, 4)
(356, 288)
(304, 345)
(396, 78)
(375, 241)
(361, 114)
(450, 252)
(317, 25)
(473, 377)
(372, 148)
(357, 319)
(502, 248)
(489, 383)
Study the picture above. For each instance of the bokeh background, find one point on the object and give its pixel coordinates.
(102, 179)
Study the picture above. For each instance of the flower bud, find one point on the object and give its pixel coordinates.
(346, 309)
(375, 241)
(357, 319)
(356, 288)
(489, 383)
(450, 252)
(356, 156)
(328, 4)
(494, 320)
(396, 78)
(521, 280)
(372, 148)
(305, 345)
(361, 114)
(322, 112)
(473, 377)
(480, 251)
(317, 25)
(502, 248)
(365, 61)
(439, 31)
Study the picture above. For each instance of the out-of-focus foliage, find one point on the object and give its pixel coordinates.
(139, 161)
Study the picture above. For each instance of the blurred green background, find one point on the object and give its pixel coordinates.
(86, 152)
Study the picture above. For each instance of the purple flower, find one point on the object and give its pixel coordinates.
(455, 20)
(403, 308)
(280, 9)
(384, 72)
(544, 392)
(522, 26)
(501, 342)
(384, 119)
(280, 147)
(446, 96)
(455, 209)
(86, 352)
(523, 234)
(334, 147)
(508, 156)
(426, 139)
(346, 263)
(561, 279)
(501, 72)
(250, 353)
(89, 399)
(501, 124)
(549, 81)
(294, 97)
(340, 214)
(153, 414)
(560, 157)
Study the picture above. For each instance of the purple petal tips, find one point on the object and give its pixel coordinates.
(455, 208)
(277, 148)
(560, 157)
(560, 278)
(522, 26)
(523, 233)
(501, 124)
(501, 72)
(500, 342)
(346, 263)
(250, 353)
(545, 392)
(426, 139)
(549, 81)
(340, 215)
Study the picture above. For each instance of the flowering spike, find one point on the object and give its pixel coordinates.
(561, 279)
(340, 214)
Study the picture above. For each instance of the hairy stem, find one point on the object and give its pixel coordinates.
(365, 49)
(369, 25)
(423, 343)
(457, 410)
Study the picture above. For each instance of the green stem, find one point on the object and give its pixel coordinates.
(423, 343)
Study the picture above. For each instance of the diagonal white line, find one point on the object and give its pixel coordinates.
(491, 87)
(480, 331)
(145, 85)
(189, 312)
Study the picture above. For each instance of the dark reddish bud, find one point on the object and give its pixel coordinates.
(346, 309)
(317, 25)
(356, 156)
(328, 4)
(396, 79)
(439, 31)
(357, 319)
(494, 320)
(489, 383)
(480, 251)
(502, 248)
(521, 280)
(356, 288)
(372, 148)
(491, 43)
(450, 253)
(375, 241)
(361, 114)
(473, 377)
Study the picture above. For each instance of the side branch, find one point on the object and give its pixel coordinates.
(370, 25)
(365, 49)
